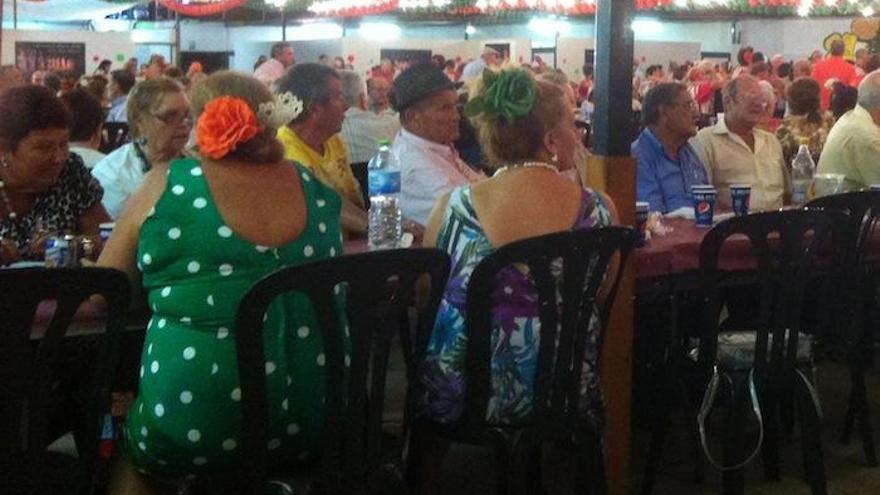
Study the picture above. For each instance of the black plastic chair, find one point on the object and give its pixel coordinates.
(379, 289)
(114, 135)
(862, 208)
(769, 360)
(26, 375)
(568, 299)
(359, 170)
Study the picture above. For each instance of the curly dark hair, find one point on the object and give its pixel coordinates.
(26, 109)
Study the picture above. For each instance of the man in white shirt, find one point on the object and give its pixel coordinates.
(121, 82)
(430, 165)
(85, 125)
(361, 128)
(271, 70)
(490, 58)
(734, 151)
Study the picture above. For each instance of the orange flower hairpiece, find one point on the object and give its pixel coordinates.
(224, 123)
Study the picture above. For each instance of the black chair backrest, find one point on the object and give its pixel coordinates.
(26, 367)
(862, 207)
(359, 170)
(114, 135)
(379, 288)
(567, 300)
(786, 246)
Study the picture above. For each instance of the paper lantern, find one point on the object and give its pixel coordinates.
(198, 8)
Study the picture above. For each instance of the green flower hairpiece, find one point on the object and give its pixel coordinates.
(508, 94)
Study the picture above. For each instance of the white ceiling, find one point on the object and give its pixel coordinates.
(62, 10)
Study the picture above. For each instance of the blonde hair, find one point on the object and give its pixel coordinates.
(522, 140)
(145, 97)
(262, 148)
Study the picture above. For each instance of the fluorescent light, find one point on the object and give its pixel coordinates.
(470, 29)
(315, 31)
(549, 26)
(379, 31)
(647, 26)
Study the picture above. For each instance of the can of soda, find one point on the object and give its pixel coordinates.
(704, 206)
(739, 198)
(642, 208)
(57, 252)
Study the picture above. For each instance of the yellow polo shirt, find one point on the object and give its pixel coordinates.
(332, 168)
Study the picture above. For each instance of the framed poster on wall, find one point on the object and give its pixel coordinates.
(31, 56)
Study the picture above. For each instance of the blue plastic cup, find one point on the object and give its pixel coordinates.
(642, 209)
(739, 198)
(704, 206)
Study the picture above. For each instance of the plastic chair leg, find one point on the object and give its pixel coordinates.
(811, 442)
(770, 448)
(733, 481)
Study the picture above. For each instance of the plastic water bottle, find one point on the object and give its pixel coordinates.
(802, 169)
(385, 220)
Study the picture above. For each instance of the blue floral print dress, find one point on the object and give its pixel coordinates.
(514, 342)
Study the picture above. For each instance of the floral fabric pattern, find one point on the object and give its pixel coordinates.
(795, 127)
(514, 342)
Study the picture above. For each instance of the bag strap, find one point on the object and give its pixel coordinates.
(706, 407)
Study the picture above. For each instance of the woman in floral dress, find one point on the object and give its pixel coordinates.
(525, 127)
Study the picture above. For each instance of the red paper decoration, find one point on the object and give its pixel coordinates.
(197, 8)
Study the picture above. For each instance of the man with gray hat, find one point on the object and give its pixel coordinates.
(490, 58)
(429, 164)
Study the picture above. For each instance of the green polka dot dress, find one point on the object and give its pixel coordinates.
(187, 416)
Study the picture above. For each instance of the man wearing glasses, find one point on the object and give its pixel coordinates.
(667, 164)
(735, 151)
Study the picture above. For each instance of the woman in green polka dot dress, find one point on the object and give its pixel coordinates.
(201, 233)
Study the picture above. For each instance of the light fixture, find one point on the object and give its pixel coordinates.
(646, 26)
(379, 31)
(868, 11)
(278, 4)
(315, 31)
(549, 26)
(470, 29)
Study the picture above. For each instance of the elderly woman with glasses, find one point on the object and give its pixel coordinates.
(44, 188)
(160, 123)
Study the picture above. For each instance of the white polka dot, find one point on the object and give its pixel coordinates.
(144, 431)
(189, 353)
(200, 203)
(222, 332)
(174, 233)
(347, 360)
(178, 190)
(308, 251)
(166, 291)
(142, 371)
(196, 171)
(261, 249)
(161, 323)
(337, 290)
(289, 380)
(142, 446)
(332, 251)
(303, 332)
(141, 408)
(306, 177)
(285, 404)
(224, 231)
(150, 348)
(193, 266)
(508, 290)
(235, 394)
(154, 367)
(292, 429)
(265, 317)
(200, 461)
(270, 367)
(147, 259)
(210, 299)
(322, 227)
(274, 444)
(214, 369)
(321, 359)
(320, 203)
(186, 320)
(225, 270)
(186, 397)
(194, 435)
(229, 444)
(159, 410)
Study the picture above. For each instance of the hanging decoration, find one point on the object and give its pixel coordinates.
(198, 8)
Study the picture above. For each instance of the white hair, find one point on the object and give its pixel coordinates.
(869, 91)
(352, 87)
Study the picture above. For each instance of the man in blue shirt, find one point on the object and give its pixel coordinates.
(667, 164)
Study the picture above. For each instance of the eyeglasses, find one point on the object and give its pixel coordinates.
(687, 104)
(173, 117)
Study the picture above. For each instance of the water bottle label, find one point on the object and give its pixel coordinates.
(382, 182)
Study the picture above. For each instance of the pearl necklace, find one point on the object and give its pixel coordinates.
(527, 165)
(6, 202)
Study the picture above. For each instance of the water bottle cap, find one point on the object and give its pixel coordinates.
(383, 142)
